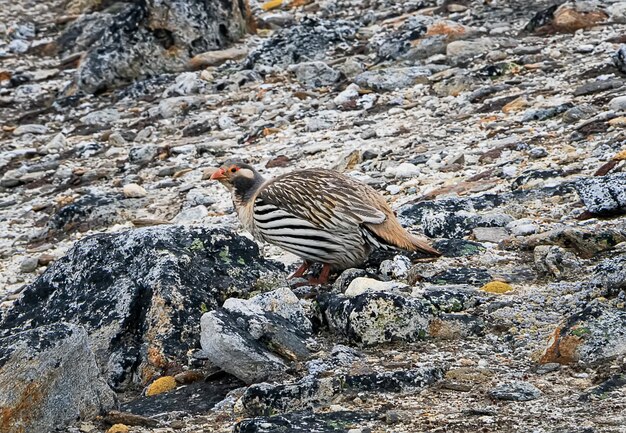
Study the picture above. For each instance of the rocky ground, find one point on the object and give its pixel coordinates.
(128, 290)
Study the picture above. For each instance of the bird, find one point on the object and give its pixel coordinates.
(320, 215)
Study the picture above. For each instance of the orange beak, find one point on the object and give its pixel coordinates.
(219, 174)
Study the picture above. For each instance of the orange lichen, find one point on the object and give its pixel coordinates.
(161, 385)
(496, 287)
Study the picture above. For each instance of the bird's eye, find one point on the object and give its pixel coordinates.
(233, 169)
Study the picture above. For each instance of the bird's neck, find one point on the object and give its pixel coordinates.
(244, 188)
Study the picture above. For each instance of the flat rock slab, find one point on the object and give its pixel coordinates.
(140, 294)
(48, 379)
(196, 398)
(309, 392)
(305, 422)
(603, 195)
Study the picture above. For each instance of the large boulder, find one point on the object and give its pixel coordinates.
(49, 378)
(140, 294)
(132, 40)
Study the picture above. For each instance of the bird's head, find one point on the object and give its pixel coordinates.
(240, 178)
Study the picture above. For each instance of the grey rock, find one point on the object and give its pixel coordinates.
(618, 103)
(593, 336)
(490, 234)
(236, 351)
(49, 379)
(255, 339)
(30, 129)
(538, 152)
(548, 368)
(454, 298)
(131, 40)
(603, 195)
(102, 118)
(461, 52)
(142, 154)
(515, 391)
(397, 268)
(374, 317)
(186, 83)
(619, 59)
(452, 326)
(597, 86)
(306, 422)
(308, 40)
(140, 294)
(393, 78)
(315, 74)
(29, 264)
(18, 46)
(307, 393)
(578, 113)
(610, 275)
(178, 105)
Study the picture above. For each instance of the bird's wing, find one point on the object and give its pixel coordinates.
(327, 200)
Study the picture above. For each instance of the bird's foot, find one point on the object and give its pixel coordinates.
(301, 270)
(322, 278)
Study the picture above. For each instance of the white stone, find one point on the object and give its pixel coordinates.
(362, 285)
(132, 190)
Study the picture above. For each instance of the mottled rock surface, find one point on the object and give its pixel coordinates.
(140, 294)
(49, 378)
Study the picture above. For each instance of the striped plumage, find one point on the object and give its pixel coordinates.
(320, 215)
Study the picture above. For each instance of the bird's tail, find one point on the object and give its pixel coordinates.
(423, 246)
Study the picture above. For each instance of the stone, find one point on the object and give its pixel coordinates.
(610, 275)
(374, 318)
(129, 41)
(566, 18)
(515, 391)
(451, 326)
(593, 336)
(30, 129)
(619, 59)
(360, 285)
(618, 103)
(461, 52)
(168, 275)
(304, 422)
(255, 340)
(386, 80)
(217, 57)
(142, 154)
(309, 392)
(132, 190)
(453, 298)
(397, 268)
(597, 86)
(178, 105)
(101, 118)
(29, 264)
(603, 195)
(315, 74)
(309, 39)
(49, 378)
(556, 261)
(490, 234)
(186, 83)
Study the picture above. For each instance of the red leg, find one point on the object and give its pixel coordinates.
(323, 277)
(301, 270)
